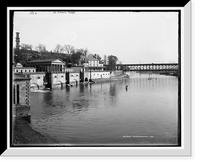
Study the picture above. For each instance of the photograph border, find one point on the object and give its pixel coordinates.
(185, 93)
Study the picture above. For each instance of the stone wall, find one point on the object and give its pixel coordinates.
(37, 79)
(21, 98)
(24, 92)
(58, 78)
(73, 77)
(97, 75)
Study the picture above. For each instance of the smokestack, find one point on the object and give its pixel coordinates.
(17, 40)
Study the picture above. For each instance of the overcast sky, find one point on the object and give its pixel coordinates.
(134, 37)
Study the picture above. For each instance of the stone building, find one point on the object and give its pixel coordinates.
(47, 65)
(21, 96)
(49, 72)
(19, 69)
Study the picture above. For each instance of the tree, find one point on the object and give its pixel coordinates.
(85, 52)
(41, 48)
(97, 57)
(112, 60)
(59, 49)
(26, 46)
(68, 49)
(75, 58)
(80, 51)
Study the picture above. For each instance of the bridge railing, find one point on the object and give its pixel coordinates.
(148, 67)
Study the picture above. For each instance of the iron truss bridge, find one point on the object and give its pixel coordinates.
(148, 67)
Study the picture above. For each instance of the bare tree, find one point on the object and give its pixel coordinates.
(68, 49)
(85, 52)
(58, 49)
(26, 46)
(41, 48)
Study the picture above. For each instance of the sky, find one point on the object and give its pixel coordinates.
(134, 37)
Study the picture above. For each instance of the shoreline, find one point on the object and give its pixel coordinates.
(24, 134)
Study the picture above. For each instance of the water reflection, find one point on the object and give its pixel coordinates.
(48, 98)
(113, 90)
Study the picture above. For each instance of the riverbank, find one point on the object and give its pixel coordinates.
(24, 134)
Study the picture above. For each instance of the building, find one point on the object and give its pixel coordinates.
(49, 72)
(96, 75)
(73, 74)
(47, 65)
(19, 69)
(36, 79)
(92, 64)
(21, 96)
(72, 77)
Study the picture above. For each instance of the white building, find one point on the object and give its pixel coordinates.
(92, 64)
(20, 69)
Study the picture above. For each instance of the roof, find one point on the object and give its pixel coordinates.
(18, 65)
(45, 60)
(18, 78)
(91, 58)
(23, 67)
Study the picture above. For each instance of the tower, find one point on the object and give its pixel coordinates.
(17, 40)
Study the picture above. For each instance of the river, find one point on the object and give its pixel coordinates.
(107, 114)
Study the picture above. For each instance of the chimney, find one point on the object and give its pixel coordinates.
(17, 40)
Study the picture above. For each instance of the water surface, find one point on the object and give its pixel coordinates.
(108, 114)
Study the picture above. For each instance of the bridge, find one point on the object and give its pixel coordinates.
(148, 67)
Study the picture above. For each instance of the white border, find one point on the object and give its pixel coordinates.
(184, 150)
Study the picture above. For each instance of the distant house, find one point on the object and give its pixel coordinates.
(92, 64)
(20, 69)
(47, 65)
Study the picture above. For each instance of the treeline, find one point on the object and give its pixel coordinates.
(68, 53)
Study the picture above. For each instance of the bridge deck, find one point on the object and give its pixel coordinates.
(148, 67)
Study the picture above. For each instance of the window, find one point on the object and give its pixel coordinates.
(77, 75)
(29, 70)
(55, 76)
(25, 70)
(71, 75)
(16, 70)
(33, 70)
(38, 77)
